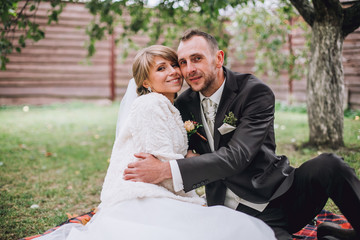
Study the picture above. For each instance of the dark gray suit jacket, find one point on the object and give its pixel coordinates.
(244, 160)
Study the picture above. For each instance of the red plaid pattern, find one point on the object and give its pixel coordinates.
(309, 231)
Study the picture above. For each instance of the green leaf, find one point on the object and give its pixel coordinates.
(53, 17)
(3, 61)
(21, 41)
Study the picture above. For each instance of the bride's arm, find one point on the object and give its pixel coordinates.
(150, 169)
(153, 129)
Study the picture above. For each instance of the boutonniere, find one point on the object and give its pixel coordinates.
(192, 127)
(229, 124)
(230, 119)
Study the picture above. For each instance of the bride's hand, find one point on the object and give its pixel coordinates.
(190, 153)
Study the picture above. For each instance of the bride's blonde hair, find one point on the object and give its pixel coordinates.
(144, 60)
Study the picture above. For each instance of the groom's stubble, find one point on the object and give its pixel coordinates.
(209, 80)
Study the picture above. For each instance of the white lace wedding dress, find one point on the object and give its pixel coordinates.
(139, 211)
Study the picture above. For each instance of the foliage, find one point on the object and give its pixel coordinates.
(268, 29)
(56, 157)
(301, 108)
(18, 24)
(295, 108)
(163, 23)
(351, 113)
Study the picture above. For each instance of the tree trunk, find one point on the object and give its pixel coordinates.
(325, 86)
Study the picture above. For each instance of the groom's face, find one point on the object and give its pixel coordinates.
(198, 65)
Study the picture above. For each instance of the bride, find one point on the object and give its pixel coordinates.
(133, 210)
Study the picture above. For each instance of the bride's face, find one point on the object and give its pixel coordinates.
(164, 77)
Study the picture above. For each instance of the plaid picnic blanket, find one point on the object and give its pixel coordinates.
(307, 233)
(81, 219)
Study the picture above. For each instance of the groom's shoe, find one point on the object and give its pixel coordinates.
(332, 231)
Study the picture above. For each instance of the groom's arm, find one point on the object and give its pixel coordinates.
(149, 169)
(152, 170)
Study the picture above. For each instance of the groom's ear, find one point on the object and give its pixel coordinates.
(219, 58)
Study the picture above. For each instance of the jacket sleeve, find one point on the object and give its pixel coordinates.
(256, 116)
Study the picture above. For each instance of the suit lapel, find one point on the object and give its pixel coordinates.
(194, 106)
(194, 109)
(227, 97)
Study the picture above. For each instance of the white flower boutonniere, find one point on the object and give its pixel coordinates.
(192, 127)
(229, 124)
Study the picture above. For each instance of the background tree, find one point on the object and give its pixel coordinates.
(330, 24)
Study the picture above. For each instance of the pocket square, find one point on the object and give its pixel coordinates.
(226, 128)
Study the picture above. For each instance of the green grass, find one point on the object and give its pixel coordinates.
(56, 157)
(291, 132)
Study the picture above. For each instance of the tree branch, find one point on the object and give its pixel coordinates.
(328, 8)
(335, 5)
(305, 9)
(351, 19)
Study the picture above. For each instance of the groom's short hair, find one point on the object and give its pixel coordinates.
(188, 34)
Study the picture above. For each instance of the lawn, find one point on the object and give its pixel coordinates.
(53, 160)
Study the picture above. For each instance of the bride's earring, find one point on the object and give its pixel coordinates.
(149, 89)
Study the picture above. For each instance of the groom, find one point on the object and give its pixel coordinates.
(238, 163)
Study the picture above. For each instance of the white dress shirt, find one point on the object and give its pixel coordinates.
(231, 199)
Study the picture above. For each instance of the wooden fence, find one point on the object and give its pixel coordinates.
(55, 69)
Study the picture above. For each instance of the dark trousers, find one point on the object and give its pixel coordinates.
(326, 176)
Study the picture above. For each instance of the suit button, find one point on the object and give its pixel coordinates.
(194, 186)
(202, 183)
(198, 185)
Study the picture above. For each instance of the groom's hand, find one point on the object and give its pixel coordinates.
(149, 169)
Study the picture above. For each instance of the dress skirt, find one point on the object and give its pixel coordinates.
(165, 219)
